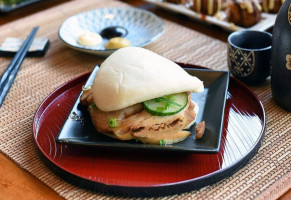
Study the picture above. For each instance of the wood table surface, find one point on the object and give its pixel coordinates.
(16, 183)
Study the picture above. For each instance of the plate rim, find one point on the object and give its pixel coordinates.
(158, 189)
(108, 52)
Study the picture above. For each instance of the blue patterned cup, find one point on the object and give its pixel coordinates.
(249, 55)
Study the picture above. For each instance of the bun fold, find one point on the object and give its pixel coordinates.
(132, 75)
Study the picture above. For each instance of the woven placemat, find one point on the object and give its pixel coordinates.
(266, 176)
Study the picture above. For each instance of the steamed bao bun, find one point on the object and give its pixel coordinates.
(133, 75)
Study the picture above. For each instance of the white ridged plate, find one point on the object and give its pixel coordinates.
(268, 20)
(143, 27)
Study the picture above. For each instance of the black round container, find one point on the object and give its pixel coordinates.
(249, 55)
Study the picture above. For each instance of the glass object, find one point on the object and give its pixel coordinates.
(9, 5)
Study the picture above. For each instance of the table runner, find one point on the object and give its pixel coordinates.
(266, 176)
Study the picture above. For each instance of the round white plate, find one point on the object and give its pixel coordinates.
(143, 27)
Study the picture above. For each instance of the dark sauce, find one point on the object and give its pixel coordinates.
(113, 31)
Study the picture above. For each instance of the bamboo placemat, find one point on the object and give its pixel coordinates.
(266, 176)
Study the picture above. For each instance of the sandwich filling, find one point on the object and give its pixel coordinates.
(134, 122)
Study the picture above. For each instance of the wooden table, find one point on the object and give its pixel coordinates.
(16, 183)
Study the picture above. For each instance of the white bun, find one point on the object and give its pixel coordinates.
(132, 75)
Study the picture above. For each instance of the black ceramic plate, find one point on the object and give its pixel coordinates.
(78, 128)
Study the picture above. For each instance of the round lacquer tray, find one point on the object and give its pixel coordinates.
(142, 173)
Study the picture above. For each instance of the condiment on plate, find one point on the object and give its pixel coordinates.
(117, 43)
(89, 39)
(113, 31)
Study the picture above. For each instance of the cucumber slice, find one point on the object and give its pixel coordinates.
(167, 105)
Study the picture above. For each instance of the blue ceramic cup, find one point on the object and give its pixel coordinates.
(249, 55)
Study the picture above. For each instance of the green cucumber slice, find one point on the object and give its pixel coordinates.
(167, 105)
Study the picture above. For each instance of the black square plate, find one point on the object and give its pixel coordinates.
(78, 128)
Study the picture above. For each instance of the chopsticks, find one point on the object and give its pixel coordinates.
(10, 73)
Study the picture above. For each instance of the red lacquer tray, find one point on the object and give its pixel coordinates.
(137, 173)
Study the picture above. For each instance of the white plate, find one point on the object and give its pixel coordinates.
(268, 20)
(143, 27)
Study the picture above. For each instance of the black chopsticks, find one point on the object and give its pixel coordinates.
(10, 73)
